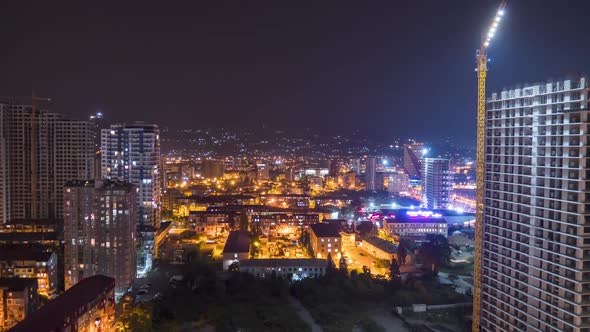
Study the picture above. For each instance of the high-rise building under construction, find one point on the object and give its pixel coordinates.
(536, 238)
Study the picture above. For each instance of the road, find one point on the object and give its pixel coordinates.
(360, 258)
(388, 321)
(304, 314)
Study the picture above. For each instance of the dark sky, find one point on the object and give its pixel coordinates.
(387, 68)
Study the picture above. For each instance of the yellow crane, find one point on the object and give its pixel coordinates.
(482, 70)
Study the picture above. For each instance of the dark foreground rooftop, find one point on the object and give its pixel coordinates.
(54, 315)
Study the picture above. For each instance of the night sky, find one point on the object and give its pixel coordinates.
(386, 68)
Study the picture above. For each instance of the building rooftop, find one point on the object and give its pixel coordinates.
(21, 253)
(99, 184)
(17, 284)
(415, 216)
(56, 312)
(284, 262)
(237, 241)
(384, 245)
(325, 230)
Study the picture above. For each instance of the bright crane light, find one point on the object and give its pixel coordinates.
(492, 30)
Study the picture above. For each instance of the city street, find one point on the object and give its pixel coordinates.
(356, 259)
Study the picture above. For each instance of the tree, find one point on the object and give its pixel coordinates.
(343, 266)
(394, 273)
(331, 266)
(366, 270)
(367, 229)
(402, 252)
(234, 267)
(435, 252)
(136, 319)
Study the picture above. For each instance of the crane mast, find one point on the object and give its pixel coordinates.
(482, 70)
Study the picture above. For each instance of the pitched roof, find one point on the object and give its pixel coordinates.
(384, 245)
(237, 241)
(325, 230)
(56, 312)
(284, 262)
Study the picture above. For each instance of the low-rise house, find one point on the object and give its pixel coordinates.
(18, 299)
(291, 269)
(87, 306)
(325, 240)
(28, 262)
(212, 225)
(380, 248)
(460, 242)
(414, 224)
(237, 248)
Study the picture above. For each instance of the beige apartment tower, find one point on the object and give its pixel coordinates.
(100, 232)
(39, 152)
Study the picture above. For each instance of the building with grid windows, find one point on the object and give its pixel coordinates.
(437, 182)
(39, 152)
(131, 153)
(536, 245)
(99, 232)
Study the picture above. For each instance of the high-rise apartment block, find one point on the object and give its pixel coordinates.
(131, 153)
(437, 180)
(413, 159)
(213, 169)
(536, 244)
(371, 174)
(398, 183)
(99, 232)
(39, 152)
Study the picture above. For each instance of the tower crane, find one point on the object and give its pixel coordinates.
(482, 70)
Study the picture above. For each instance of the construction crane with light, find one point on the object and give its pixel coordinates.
(482, 70)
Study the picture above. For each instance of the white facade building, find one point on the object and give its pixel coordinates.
(436, 183)
(131, 153)
(536, 246)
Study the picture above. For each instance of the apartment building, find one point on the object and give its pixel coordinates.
(413, 159)
(100, 232)
(437, 182)
(18, 299)
(88, 306)
(415, 224)
(289, 269)
(39, 152)
(536, 245)
(131, 153)
(28, 262)
(325, 240)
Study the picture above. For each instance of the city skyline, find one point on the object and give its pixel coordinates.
(260, 166)
(313, 64)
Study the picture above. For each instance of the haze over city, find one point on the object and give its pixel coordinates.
(384, 68)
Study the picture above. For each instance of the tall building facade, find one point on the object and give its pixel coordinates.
(39, 152)
(398, 183)
(371, 174)
(536, 244)
(436, 183)
(99, 232)
(131, 153)
(213, 169)
(413, 159)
